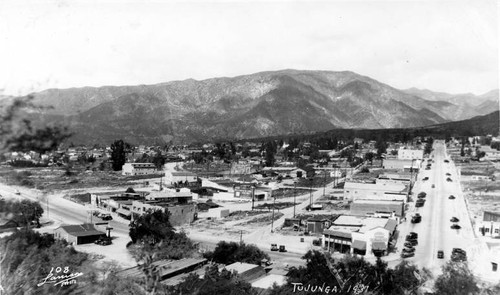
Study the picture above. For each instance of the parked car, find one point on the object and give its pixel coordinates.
(17, 192)
(449, 179)
(433, 186)
(274, 247)
(454, 219)
(456, 226)
(448, 174)
(413, 235)
(103, 241)
(282, 248)
(421, 195)
(451, 197)
(425, 178)
(409, 249)
(407, 254)
(408, 244)
(416, 218)
(105, 216)
(447, 161)
(440, 254)
(420, 203)
(458, 254)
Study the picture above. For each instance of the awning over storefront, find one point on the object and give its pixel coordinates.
(123, 212)
(337, 233)
(379, 246)
(360, 245)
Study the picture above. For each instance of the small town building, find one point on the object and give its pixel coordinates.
(138, 169)
(384, 208)
(360, 235)
(78, 234)
(172, 177)
(410, 154)
(246, 271)
(489, 226)
(179, 214)
(370, 190)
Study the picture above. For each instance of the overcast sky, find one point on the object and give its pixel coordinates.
(449, 46)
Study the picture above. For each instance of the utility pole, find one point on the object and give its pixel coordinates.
(272, 220)
(310, 192)
(294, 196)
(253, 196)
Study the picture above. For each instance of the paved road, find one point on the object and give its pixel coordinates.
(59, 209)
(434, 231)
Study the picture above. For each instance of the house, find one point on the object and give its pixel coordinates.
(78, 234)
(138, 168)
(489, 226)
(359, 235)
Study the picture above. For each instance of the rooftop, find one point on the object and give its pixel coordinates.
(81, 230)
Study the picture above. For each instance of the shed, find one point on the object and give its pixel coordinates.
(78, 234)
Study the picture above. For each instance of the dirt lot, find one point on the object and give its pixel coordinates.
(56, 178)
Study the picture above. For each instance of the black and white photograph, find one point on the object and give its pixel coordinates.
(249, 147)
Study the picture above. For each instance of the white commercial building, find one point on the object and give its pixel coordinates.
(409, 154)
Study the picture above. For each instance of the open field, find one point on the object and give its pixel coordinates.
(57, 178)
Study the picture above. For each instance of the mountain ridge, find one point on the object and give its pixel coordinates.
(255, 105)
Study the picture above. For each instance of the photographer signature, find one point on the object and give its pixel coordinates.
(62, 277)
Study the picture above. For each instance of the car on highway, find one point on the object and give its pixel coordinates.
(427, 168)
(449, 179)
(421, 195)
(17, 192)
(455, 226)
(454, 219)
(447, 161)
(274, 247)
(420, 203)
(440, 254)
(448, 174)
(282, 248)
(416, 218)
(407, 254)
(425, 178)
(451, 197)
(433, 186)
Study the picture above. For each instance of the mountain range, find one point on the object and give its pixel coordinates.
(249, 106)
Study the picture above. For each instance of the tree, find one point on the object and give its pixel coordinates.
(230, 252)
(159, 160)
(151, 227)
(118, 154)
(381, 147)
(456, 279)
(270, 151)
(214, 282)
(369, 157)
(27, 211)
(130, 190)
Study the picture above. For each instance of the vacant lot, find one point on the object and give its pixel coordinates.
(57, 178)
